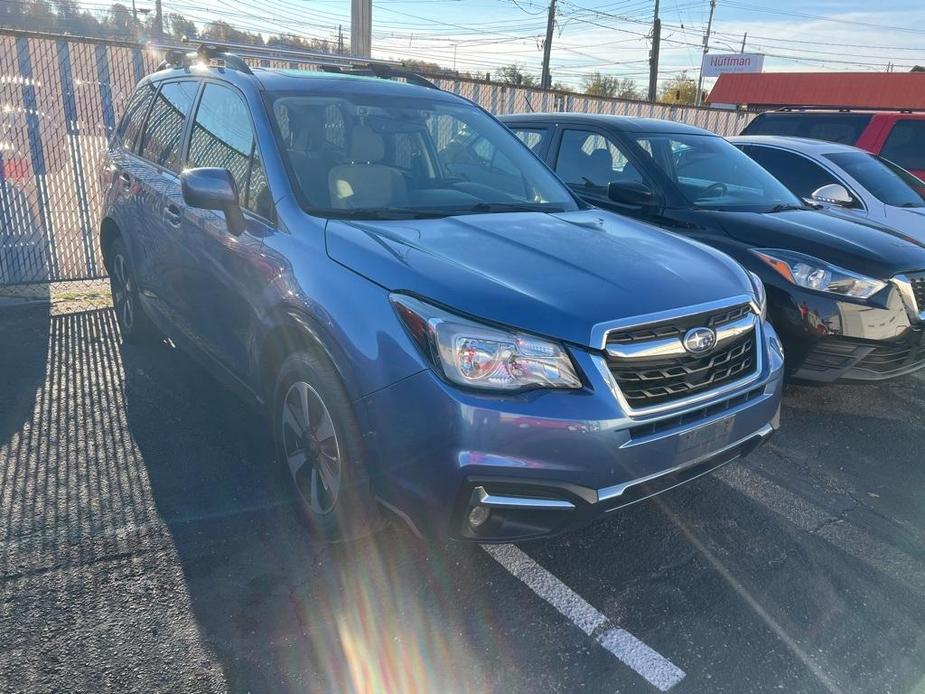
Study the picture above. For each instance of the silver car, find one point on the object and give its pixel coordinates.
(843, 179)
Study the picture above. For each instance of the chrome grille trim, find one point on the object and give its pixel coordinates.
(903, 284)
(753, 324)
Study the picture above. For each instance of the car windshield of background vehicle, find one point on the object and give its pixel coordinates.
(363, 156)
(884, 181)
(713, 174)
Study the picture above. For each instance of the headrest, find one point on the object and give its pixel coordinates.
(366, 145)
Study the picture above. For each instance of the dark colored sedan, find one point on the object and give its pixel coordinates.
(848, 298)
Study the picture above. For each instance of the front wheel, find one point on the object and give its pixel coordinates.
(134, 324)
(318, 442)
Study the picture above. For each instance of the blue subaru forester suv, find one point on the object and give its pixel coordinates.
(433, 323)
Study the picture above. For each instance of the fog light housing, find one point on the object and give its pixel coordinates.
(479, 515)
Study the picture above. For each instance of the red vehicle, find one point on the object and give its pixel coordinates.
(895, 135)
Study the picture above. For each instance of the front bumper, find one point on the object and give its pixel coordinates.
(544, 462)
(827, 339)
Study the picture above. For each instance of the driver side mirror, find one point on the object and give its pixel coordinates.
(214, 189)
(833, 194)
(630, 193)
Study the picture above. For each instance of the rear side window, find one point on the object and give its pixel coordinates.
(223, 137)
(905, 144)
(845, 128)
(166, 124)
(532, 137)
(799, 174)
(134, 117)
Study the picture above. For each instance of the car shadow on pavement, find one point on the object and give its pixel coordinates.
(278, 610)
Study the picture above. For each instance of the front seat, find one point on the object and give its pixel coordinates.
(364, 181)
(600, 167)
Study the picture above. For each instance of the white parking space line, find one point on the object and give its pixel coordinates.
(655, 668)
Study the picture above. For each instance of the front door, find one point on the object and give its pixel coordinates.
(227, 278)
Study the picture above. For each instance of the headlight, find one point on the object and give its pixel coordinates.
(812, 273)
(480, 356)
(761, 296)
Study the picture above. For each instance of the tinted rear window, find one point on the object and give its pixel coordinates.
(845, 128)
(906, 144)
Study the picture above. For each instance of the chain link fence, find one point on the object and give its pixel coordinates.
(60, 99)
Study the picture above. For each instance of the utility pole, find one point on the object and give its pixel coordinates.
(361, 25)
(546, 78)
(744, 39)
(706, 49)
(340, 39)
(158, 20)
(653, 55)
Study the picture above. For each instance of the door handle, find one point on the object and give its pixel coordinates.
(173, 215)
(126, 181)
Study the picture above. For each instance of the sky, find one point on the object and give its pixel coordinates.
(612, 37)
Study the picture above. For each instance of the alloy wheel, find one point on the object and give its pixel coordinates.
(311, 448)
(122, 292)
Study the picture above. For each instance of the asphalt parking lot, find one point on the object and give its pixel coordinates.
(148, 544)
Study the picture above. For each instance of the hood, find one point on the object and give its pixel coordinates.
(909, 222)
(551, 274)
(861, 246)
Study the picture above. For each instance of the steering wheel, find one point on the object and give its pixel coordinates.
(714, 190)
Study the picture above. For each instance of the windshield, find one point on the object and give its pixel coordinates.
(713, 174)
(367, 156)
(887, 182)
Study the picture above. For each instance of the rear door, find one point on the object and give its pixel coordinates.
(160, 150)
(905, 145)
(226, 278)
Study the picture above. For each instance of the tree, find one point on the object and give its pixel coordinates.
(180, 26)
(513, 75)
(918, 68)
(222, 32)
(680, 89)
(597, 84)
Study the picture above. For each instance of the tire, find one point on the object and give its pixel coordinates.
(322, 452)
(134, 323)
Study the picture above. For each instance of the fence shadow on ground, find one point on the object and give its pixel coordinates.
(134, 455)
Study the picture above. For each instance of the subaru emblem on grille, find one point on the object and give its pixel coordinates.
(699, 340)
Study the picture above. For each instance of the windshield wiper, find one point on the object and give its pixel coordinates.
(786, 207)
(514, 207)
(913, 204)
(383, 213)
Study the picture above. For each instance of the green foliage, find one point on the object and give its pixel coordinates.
(513, 75)
(680, 89)
(597, 84)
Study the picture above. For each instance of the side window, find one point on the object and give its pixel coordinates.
(165, 126)
(534, 138)
(134, 117)
(223, 137)
(799, 174)
(905, 144)
(588, 162)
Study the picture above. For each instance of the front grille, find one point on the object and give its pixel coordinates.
(918, 289)
(649, 381)
(676, 327)
(864, 361)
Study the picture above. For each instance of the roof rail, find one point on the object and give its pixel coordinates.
(348, 65)
(206, 52)
(848, 109)
(381, 70)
